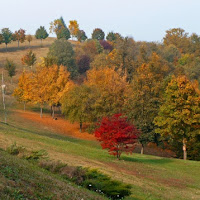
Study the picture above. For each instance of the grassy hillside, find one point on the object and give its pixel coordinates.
(151, 177)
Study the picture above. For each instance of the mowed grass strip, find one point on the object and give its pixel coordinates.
(151, 177)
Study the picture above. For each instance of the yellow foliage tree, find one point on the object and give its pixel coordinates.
(113, 90)
(73, 28)
(51, 88)
(23, 92)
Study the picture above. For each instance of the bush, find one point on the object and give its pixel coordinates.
(75, 174)
(14, 149)
(36, 155)
(103, 184)
(53, 166)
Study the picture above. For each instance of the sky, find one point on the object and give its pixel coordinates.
(144, 20)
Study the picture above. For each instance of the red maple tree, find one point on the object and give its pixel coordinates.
(117, 135)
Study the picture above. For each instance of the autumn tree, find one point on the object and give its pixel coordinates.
(6, 36)
(81, 36)
(59, 27)
(56, 83)
(29, 59)
(29, 38)
(74, 28)
(24, 90)
(177, 37)
(63, 52)
(20, 36)
(41, 34)
(113, 91)
(111, 36)
(77, 104)
(98, 34)
(117, 135)
(146, 98)
(122, 56)
(89, 48)
(10, 66)
(83, 63)
(179, 116)
(190, 65)
(106, 45)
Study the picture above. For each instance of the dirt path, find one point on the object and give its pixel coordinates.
(60, 126)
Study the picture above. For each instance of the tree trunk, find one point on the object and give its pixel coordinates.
(184, 149)
(18, 43)
(53, 112)
(6, 47)
(81, 125)
(24, 106)
(142, 149)
(41, 43)
(118, 156)
(41, 111)
(11, 80)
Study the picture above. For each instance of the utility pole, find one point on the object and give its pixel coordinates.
(3, 87)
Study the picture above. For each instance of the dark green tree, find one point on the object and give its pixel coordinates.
(7, 36)
(41, 33)
(62, 51)
(81, 36)
(63, 33)
(10, 66)
(111, 36)
(98, 34)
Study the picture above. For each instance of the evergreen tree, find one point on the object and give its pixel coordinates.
(41, 33)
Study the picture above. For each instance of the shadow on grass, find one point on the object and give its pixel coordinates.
(14, 49)
(147, 160)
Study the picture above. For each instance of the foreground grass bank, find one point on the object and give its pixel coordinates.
(19, 179)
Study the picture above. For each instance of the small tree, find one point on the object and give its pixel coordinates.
(10, 66)
(7, 36)
(41, 34)
(98, 34)
(29, 59)
(59, 27)
(24, 91)
(117, 135)
(81, 36)
(20, 36)
(74, 28)
(29, 38)
(111, 36)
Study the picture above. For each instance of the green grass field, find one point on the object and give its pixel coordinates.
(151, 177)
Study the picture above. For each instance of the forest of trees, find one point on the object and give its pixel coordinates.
(154, 86)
